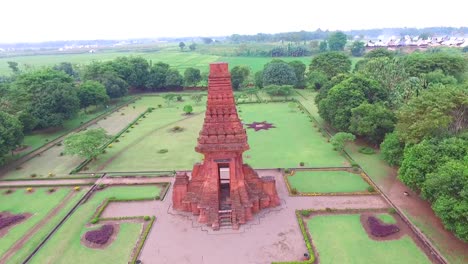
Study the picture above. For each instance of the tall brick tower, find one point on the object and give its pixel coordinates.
(223, 191)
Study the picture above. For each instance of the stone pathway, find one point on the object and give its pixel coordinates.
(273, 235)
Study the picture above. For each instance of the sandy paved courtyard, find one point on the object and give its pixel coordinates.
(273, 235)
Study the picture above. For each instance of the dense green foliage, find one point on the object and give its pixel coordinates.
(340, 139)
(337, 41)
(92, 93)
(239, 75)
(48, 96)
(279, 72)
(392, 149)
(358, 48)
(372, 121)
(342, 98)
(299, 71)
(86, 144)
(192, 76)
(11, 134)
(331, 64)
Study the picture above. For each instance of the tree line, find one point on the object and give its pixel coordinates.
(47, 97)
(416, 108)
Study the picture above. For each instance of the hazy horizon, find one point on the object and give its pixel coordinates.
(52, 20)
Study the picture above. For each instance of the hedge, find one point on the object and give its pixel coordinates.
(142, 240)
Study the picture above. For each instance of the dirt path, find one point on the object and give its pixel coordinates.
(20, 243)
(143, 137)
(273, 235)
(421, 210)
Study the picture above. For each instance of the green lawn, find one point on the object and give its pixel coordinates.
(38, 203)
(256, 63)
(34, 241)
(327, 182)
(67, 239)
(342, 239)
(137, 149)
(294, 139)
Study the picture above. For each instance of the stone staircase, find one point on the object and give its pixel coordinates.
(225, 219)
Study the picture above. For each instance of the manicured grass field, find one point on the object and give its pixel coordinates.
(342, 239)
(67, 239)
(34, 241)
(327, 182)
(138, 149)
(294, 139)
(38, 203)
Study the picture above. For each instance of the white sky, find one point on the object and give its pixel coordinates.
(41, 20)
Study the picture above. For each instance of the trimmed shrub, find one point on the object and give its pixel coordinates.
(294, 191)
(29, 189)
(162, 151)
(301, 164)
(76, 188)
(94, 220)
(370, 189)
(306, 213)
(33, 175)
(147, 218)
(392, 210)
(51, 190)
(8, 191)
(366, 150)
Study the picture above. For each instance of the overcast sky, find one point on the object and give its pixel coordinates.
(41, 20)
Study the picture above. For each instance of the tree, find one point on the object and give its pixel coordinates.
(379, 53)
(316, 79)
(392, 149)
(188, 109)
(11, 134)
(192, 76)
(446, 189)
(207, 40)
(337, 41)
(192, 46)
(197, 98)
(134, 70)
(278, 73)
(331, 63)
(169, 98)
(92, 93)
(67, 68)
(323, 46)
(391, 75)
(372, 121)
(450, 64)
(279, 90)
(259, 79)
(239, 75)
(86, 144)
(157, 75)
(340, 139)
(115, 86)
(435, 112)
(50, 95)
(13, 65)
(181, 45)
(299, 69)
(419, 160)
(358, 48)
(174, 78)
(342, 98)
(251, 92)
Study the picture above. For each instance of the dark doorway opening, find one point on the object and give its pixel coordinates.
(224, 186)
